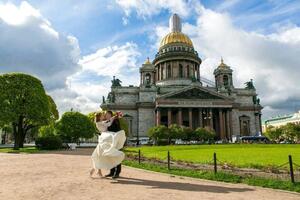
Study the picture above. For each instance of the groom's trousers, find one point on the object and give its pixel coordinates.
(116, 170)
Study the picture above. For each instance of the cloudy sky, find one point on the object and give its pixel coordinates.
(75, 46)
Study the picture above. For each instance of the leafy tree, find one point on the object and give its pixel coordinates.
(6, 129)
(91, 116)
(158, 133)
(204, 134)
(23, 104)
(54, 115)
(175, 132)
(74, 125)
(189, 134)
(274, 133)
(47, 130)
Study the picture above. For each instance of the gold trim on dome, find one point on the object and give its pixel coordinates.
(147, 61)
(176, 37)
(223, 65)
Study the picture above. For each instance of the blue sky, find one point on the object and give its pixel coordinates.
(100, 38)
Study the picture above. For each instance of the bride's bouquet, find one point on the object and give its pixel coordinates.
(119, 114)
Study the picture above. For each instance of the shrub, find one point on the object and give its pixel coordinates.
(49, 142)
(74, 125)
(204, 134)
(47, 130)
(188, 134)
(159, 134)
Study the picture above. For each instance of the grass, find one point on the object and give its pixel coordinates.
(239, 155)
(21, 150)
(220, 176)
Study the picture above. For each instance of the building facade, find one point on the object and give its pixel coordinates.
(171, 91)
(282, 120)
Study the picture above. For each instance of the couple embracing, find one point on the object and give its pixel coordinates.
(107, 154)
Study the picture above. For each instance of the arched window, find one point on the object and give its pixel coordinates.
(244, 125)
(169, 71)
(226, 81)
(147, 79)
(188, 71)
(180, 71)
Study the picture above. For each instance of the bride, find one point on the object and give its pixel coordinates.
(107, 154)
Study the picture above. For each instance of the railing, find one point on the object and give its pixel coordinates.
(285, 171)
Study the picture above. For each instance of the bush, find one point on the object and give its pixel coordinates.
(49, 142)
(188, 134)
(204, 134)
(159, 134)
(73, 125)
(47, 130)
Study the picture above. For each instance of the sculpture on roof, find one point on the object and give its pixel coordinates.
(250, 85)
(116, 82)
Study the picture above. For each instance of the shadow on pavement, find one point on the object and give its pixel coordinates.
(180, 186)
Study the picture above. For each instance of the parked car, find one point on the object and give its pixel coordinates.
(254, 139)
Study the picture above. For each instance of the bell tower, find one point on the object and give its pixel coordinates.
(223, 77)
(147, 73)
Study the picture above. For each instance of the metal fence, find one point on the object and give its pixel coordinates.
(287, 171)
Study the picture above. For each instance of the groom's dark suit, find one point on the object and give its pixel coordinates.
(115, 127)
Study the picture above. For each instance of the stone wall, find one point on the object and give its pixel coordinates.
(236, 121)
(146, 120)
(133, 114)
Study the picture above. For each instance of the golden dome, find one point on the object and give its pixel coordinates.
(147, 62)
(223, 65)
(176, 37)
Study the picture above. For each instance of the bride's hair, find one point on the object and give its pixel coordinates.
(98, 116)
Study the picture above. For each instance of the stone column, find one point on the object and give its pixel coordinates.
(260, 126)
(221, 124)
(228, 134)
(190, 118)
(180, 116)
(230, 124)
(198, 67)
(158, 116)
(169, 116)
(200, 118)
(211, 120)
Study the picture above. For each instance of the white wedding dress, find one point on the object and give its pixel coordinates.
(107, 154)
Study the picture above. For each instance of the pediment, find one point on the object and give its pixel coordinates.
(194, 93)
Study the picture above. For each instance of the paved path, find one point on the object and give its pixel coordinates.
(60, 176)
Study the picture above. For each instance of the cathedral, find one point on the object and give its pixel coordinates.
(171, 91)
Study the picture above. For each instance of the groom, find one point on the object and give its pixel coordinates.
(114, 127)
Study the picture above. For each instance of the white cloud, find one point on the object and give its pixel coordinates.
(271, 60)
(86, 87)
(147, 8)
(29, 44)
(111, 60)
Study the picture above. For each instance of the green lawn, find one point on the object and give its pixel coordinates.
(220, 176)
(241, 155)
(21, 150)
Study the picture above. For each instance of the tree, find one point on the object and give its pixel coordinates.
(189, 134)
(158, 133)
(175, 132)
(74, 125)
(274, 134)
(23, 104)
(54, 115)
(6, 129)
(204, 134)
(47, 130)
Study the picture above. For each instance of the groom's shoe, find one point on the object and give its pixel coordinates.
(115, 176)
(108, 175)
